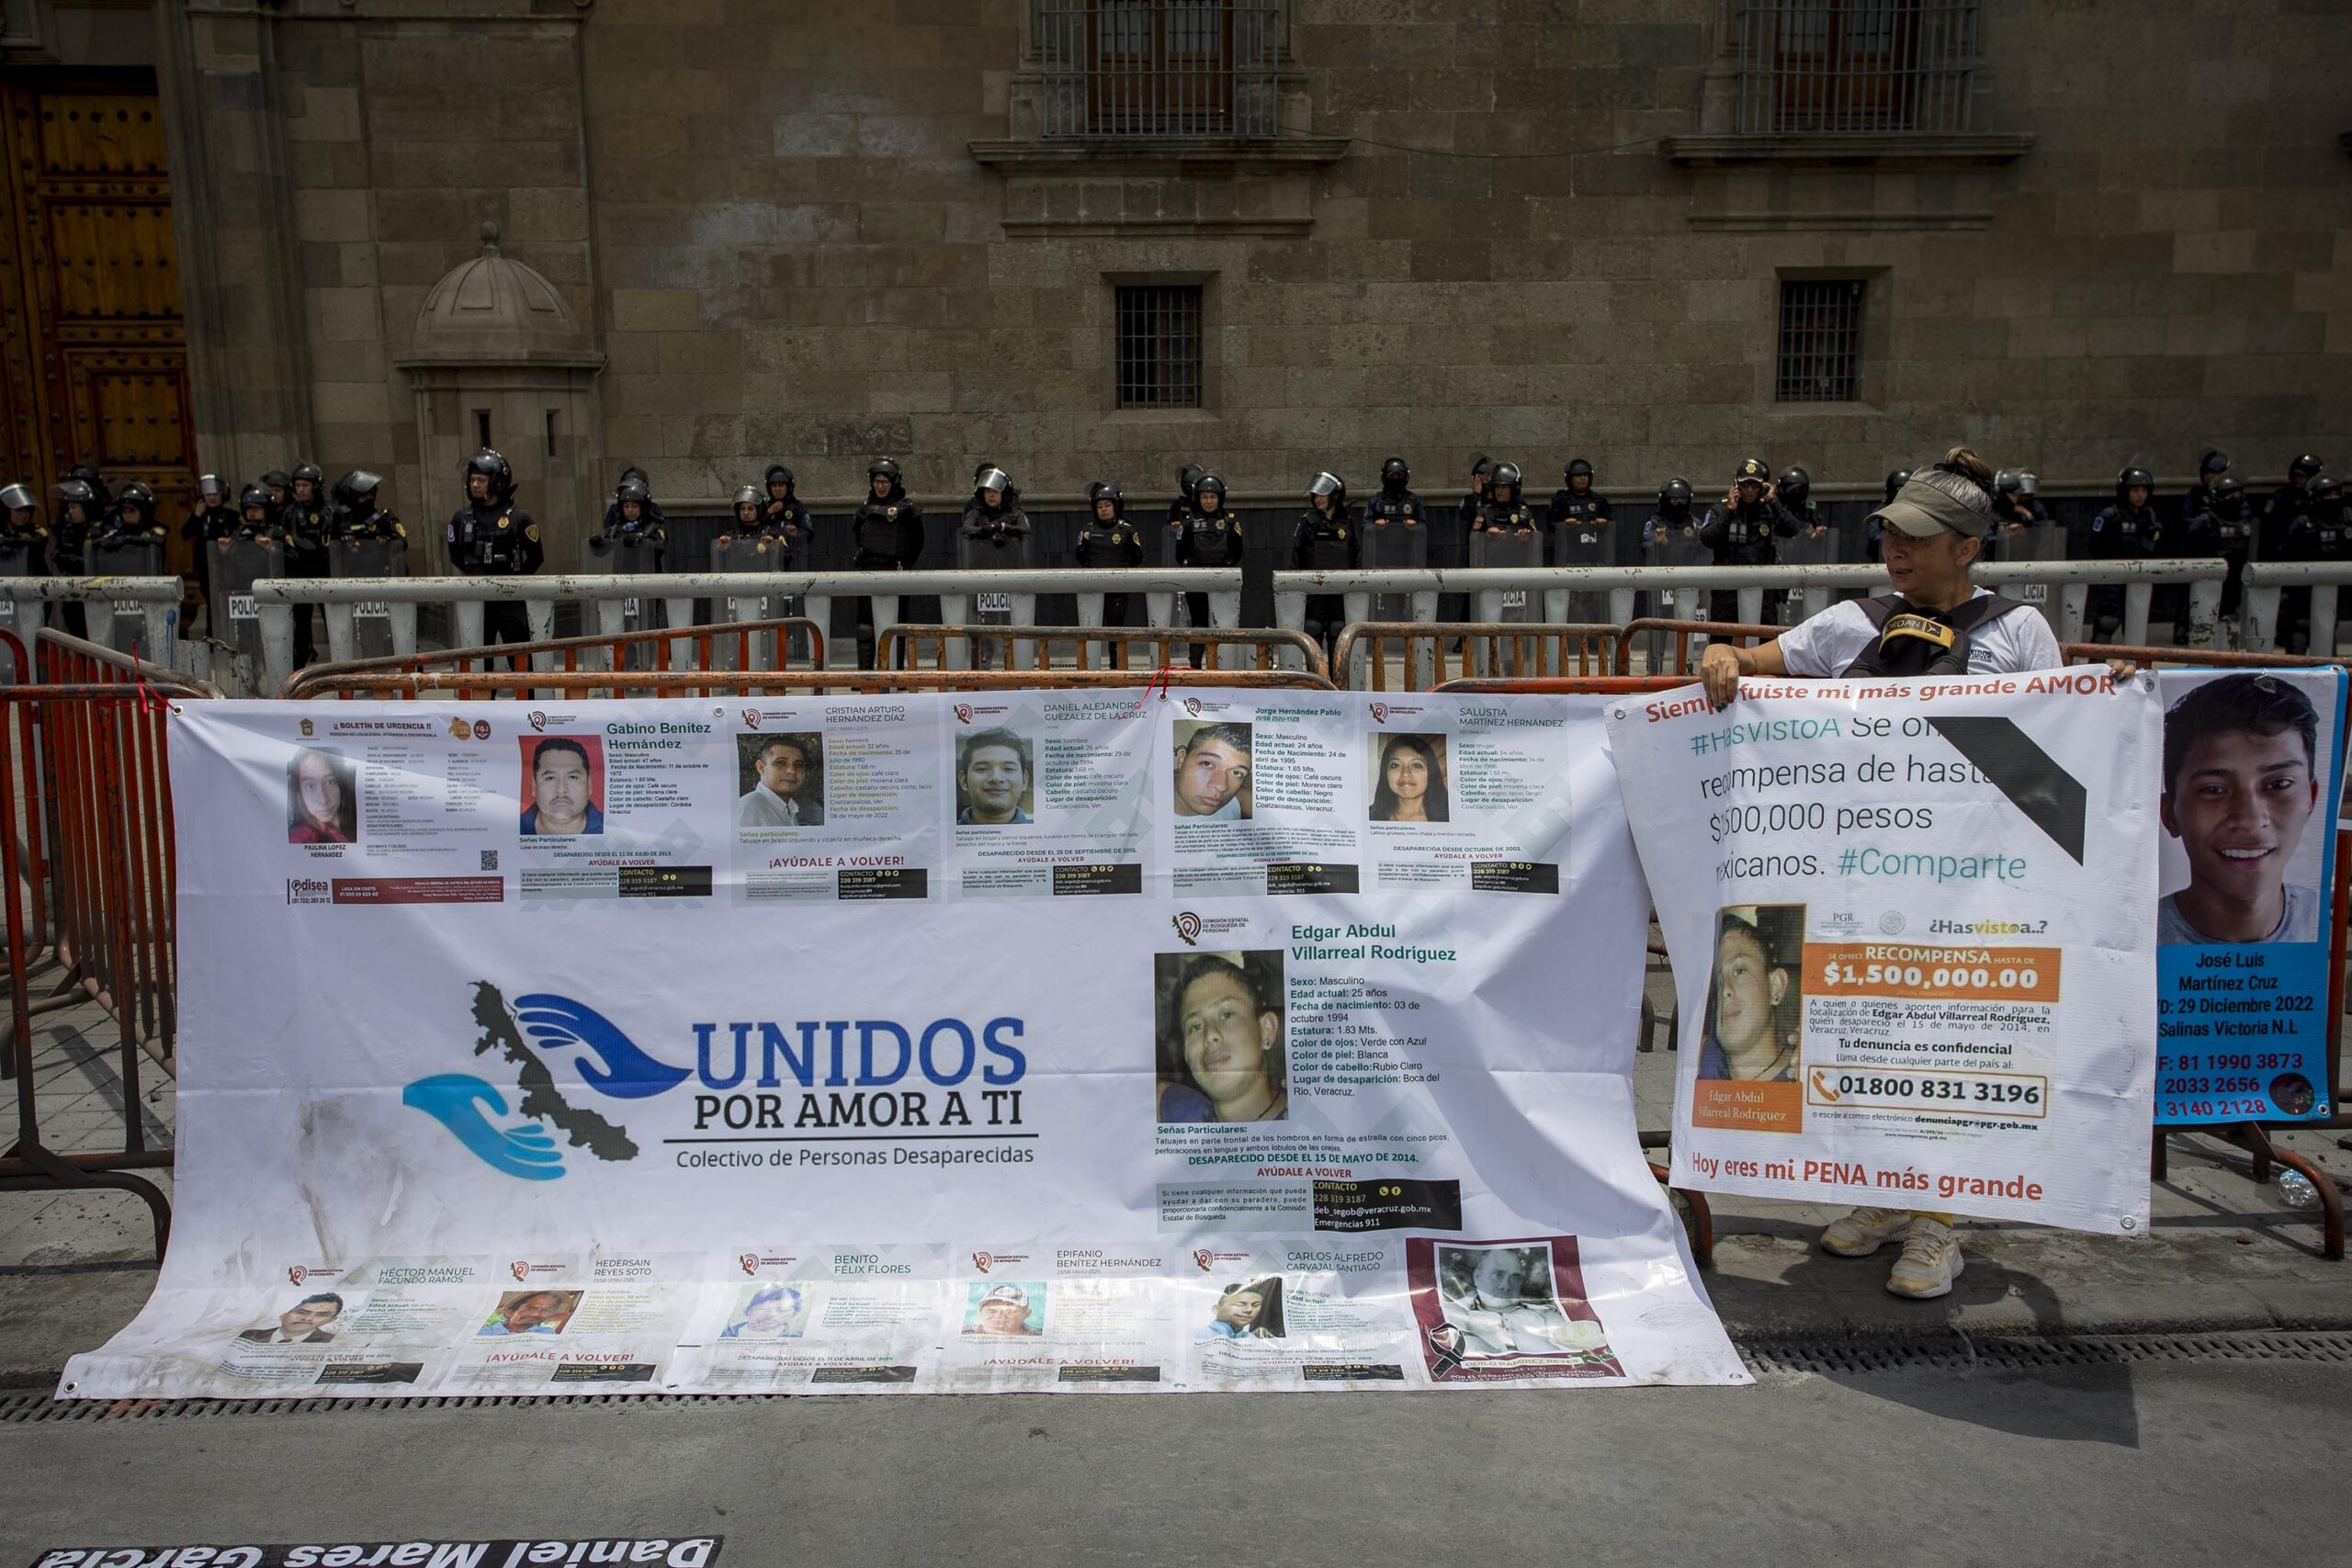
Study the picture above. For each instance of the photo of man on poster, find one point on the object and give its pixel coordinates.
(2242, 780)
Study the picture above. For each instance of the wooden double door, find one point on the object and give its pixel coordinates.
(91, 336)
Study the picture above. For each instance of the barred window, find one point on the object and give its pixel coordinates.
(1855, 67)
(1821, 341)
(1159, 346)
(1136, 68)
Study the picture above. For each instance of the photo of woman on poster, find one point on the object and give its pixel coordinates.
(321, 800)
(1411, 783)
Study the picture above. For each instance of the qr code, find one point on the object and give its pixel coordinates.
(490, 859)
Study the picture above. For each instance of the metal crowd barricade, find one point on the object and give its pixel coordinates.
(86, 859)
(2265, 582)
(1673, 646)
(607, 598)
(732, 646)
(1429, 654)
(796, 683)
(1678, 588)
(149, 604)
(1697, 1220)
(1092, 647)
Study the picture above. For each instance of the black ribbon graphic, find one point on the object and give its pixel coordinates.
(2052, 798)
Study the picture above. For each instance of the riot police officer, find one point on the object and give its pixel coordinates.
(279, 484)
(783, 510)
(1109, 540)
(492, 537)
(304, 518)
(1326, 539)
(1209, 536)
(1504, 511)
(2128, 530)
(131, 519)
(1473, 501)
(2017, 499)
(2223, 524)
(209, 515)
(1577, 519)
(101, 498)
(1188, 496)
(69, 545)
(757, 518)
(1394, 505)
(993, 519)
(2199, 498)
(887, 529)
(2286, 504)
(1895, 479)
(1740, 531)
(633, 526)
(2317, 534)
(1794, 491)
(25, 543)
(357, 516)
(256, 518)
(1672, 516)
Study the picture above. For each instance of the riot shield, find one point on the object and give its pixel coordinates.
(1579, 542)
(1805, 549)
(20, 559)
(990, 555)
(1489, 547)
(132, 557)
(645, 612)
(371, 620)
(743, 552)
(236, 619)
(1395, 546)
(2044, 541)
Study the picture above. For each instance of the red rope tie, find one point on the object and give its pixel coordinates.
(1161, 678)
(149, 699)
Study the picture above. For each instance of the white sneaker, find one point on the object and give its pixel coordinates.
(1930, 1261)
(1860, 1231)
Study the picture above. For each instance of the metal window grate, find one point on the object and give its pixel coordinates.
(1855, 67)
(1821, 341)
(1159, 346)
(1158, 68)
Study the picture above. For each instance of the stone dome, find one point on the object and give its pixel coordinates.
(491, 310)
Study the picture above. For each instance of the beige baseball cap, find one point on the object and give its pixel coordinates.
(1934, 500)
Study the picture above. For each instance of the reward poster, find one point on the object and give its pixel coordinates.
(1911, 924)
(1036, 1041)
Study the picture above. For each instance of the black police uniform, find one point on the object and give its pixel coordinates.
(1742, 534)
(24, 552)
(2317, 534)
(1002, 528)
(2217, 521)
(305, 524)
(887, 532)
(199, 528)
(1579, 527)
(1206, 539)
(367, 522)
(497, 539)
(1326, 541)
(2283, 505)
(1117, 542)
(2120, 532)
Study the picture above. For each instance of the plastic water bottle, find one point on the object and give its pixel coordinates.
(2295, 1189)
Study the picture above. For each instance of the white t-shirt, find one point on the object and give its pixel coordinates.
(1831, 640)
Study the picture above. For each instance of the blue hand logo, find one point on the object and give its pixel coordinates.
(455, 1100)
(554, 1023)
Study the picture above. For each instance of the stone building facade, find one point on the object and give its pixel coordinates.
(811, 231)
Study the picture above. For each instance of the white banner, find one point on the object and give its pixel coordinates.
(1913, 927)
(1035, 1041)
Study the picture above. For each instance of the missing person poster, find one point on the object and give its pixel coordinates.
(2252, 783)
(1913, 928)
(897, 1103)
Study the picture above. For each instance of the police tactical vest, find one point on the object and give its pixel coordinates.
(1212, 538)
(1912, 641)
(878, 528)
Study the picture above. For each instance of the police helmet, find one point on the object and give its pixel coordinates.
(2326, 486)
(1482, 464)
(749, 496)
(1188, 479)
(2134, 476)
(312, 472)
(356, 484)
(1796, 486)
(1895, 479)
(1210, 483)
(276, 478)
(1676, 494)
(494, 466)
(1331, 484)
(2008, 481)
(210, 486)
(1103, 489)
(993, 477)
(89, 476)
(778, 471)
(1505, 474)
(2028, 483)
(137, 495)
(884, 467)
(1395, 471)
(15, 498)
(72, 490)
(2215, 461)
(2304, 466)
(1577, 466)
(1753, 469)
(633, 489)
(2227, 488)
(253, 495)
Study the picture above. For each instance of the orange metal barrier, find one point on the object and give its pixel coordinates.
(731, 644)
(1432, 652)
(797, 682)
(926, 646)
(1678, 635)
